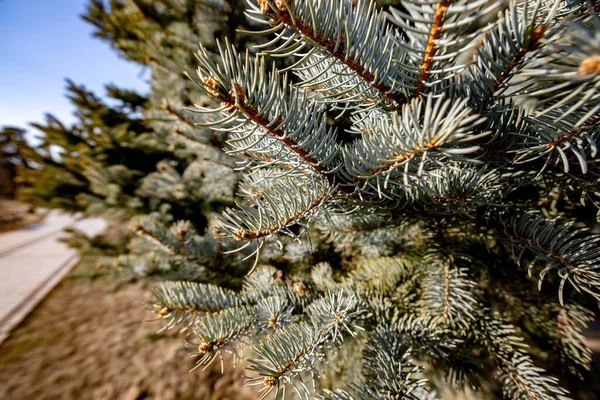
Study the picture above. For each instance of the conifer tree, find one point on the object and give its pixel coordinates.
(145, 157)
(416, 189)
(94, 164)
(12, 156)
(190, 189)
(446, 151)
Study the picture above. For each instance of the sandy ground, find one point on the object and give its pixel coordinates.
(88, 341)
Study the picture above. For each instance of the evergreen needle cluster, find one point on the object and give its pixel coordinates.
(440, 148)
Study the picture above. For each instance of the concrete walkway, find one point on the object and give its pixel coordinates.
(32, 262)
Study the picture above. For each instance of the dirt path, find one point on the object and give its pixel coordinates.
(85, 342)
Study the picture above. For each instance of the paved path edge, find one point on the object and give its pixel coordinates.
(20, 312)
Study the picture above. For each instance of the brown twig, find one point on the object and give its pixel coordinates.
(434, 34)
(336, 50)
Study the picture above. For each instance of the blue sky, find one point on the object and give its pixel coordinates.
(42, 42)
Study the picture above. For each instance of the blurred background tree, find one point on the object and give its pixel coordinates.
(132, 154)
(12, 155)
(93, 165)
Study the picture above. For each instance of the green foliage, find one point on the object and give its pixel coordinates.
(354, 195)
(95, 164)
(142, 156)
(11, 146)
(12, 156)
(452, 122)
